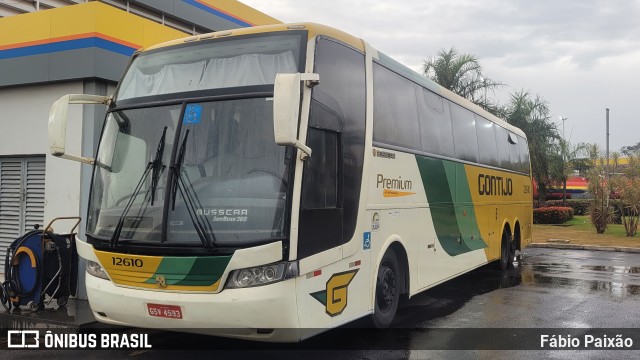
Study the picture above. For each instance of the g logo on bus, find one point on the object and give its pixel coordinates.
(334, 297)
(161, 281)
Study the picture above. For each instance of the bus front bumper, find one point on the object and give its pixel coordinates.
(264, 313)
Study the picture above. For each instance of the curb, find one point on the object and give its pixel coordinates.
(585, 247)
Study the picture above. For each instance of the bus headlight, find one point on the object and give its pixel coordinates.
(96, 270)
(262, 275)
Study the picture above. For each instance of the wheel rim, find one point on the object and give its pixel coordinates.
(386, 289)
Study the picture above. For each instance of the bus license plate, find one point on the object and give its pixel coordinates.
(165, 311)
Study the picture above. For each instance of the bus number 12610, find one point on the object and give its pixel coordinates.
(118, 261)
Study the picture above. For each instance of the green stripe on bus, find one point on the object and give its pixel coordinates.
(206, 271)
(191, 271)
(465, 211)
(174, 269)
(453, 216)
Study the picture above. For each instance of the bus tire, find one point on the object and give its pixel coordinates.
(507, 251)
(387, 294)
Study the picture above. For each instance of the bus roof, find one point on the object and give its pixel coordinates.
(314, 30)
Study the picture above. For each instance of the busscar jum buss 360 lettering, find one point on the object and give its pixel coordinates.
(271, 182)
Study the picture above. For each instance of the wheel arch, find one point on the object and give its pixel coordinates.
(403, 260)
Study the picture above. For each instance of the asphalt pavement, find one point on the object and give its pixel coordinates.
(483, 314)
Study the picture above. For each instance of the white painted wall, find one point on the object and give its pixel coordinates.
(24, 113)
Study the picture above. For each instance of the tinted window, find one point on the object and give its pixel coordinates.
(525, 165)
(487, 142)
(411, 117)
(464, 133)
(502, 141)
(435, 124)
(395, 119)
(339, 104)
(320, 185)
(514, 152)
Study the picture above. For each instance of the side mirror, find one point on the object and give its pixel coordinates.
(58, 123)
(286, 108)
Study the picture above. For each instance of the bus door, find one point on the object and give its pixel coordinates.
(321, 205)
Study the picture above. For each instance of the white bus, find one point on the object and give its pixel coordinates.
(271, 182)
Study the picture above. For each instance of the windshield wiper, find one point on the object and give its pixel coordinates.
(177, 169)
(157, 166)
(205, 233)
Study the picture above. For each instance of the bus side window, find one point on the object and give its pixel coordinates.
(525, 165)
(502, 141)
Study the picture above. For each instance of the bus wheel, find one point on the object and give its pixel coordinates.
(507, 252)
(387, 291)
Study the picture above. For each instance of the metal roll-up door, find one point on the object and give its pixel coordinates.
(21, 198)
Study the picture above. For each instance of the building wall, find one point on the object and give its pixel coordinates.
(212, 14)
(23, 125)
(75, 42)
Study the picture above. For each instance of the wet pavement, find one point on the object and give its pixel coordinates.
(548, 289)
(76, 314)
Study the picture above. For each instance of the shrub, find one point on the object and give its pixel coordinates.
(601, 217)
(552, 215)
(579, 206)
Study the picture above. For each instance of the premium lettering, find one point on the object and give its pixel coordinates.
(393, 184)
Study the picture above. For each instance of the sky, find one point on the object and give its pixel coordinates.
(581, 56)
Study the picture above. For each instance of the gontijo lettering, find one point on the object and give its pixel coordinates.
(495, 185)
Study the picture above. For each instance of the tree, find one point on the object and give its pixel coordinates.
(462, 74)
(532, 116)
(600, 188)
(594, 150)
(627, 186)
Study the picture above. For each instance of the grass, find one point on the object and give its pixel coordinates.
(579, 230)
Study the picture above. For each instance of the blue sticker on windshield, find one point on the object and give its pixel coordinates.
(192, 114)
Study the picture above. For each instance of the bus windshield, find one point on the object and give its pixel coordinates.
(212, 64)
(230, 178)
(178, 172)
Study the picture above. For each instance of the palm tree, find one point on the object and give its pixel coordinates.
(629, 191)
(462, 74)
(532, 116)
